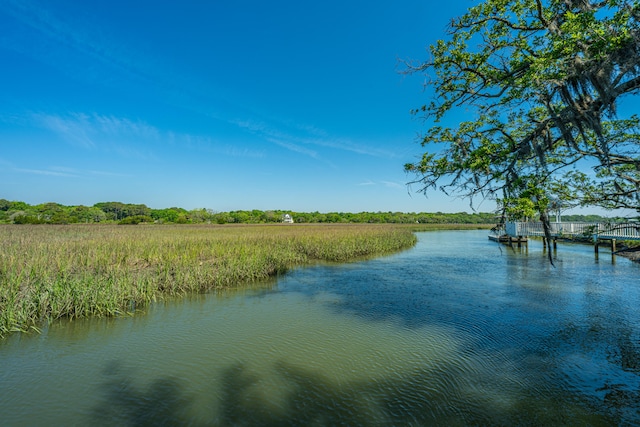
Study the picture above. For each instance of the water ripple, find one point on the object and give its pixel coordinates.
(453, 332)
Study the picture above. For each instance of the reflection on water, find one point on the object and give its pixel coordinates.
(456, 331)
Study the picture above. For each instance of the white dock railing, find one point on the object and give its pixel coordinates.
(626, 231)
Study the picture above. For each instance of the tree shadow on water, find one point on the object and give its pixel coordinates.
(307, 398)
(163, 403)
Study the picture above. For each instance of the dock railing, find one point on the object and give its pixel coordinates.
(623, 231)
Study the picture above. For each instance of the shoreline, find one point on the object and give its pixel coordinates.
(630, 253)
(54, 271)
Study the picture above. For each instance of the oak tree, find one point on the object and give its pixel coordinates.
(542, 85)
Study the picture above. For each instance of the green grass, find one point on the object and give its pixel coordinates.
(433, 227)
(49, 272)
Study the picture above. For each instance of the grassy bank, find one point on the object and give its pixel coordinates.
(433, 227)
(48, 272)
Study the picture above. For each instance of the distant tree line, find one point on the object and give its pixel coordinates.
(15, 212)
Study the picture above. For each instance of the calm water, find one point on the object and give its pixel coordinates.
(455, 331)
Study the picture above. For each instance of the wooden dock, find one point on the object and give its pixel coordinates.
(503, 238)
(604, 231)
(519, 232)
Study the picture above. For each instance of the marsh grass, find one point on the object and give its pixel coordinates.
(49, 272)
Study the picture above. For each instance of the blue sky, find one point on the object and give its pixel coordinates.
(224, 105)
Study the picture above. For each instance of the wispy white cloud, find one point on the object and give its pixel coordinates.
(115, 126)
(64, 37)
(207, 144)
(387, 184)
(75, 129)
(71, 36)
(276, 136)
(296, 148)
(79, 39)
(49, 172)
(348, 145)
(104, 132)
(129, 138)
(65, 171)
(288, 134)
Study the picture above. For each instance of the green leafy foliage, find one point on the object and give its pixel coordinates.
(49, 272)
(539, 82)
(54, 213)
(135, 219)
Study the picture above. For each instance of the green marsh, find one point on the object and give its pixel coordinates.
(49, 272)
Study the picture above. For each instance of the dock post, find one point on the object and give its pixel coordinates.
(595, 243)
(613, 245)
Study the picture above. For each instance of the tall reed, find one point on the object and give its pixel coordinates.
(48, 272)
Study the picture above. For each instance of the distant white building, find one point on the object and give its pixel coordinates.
(287, 219)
